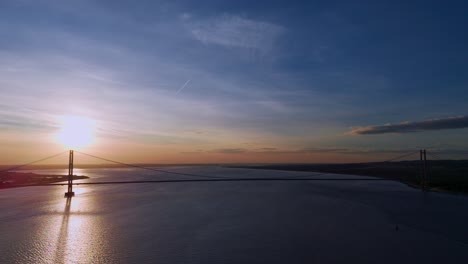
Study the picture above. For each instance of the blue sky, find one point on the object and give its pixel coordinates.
(235, 81)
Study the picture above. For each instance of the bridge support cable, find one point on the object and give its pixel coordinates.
(33, 162)
(401, 156)
(377, 164)
(151, 169)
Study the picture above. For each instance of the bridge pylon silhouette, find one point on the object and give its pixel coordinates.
(70, 192)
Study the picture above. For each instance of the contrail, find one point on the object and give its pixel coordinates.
(183, 86)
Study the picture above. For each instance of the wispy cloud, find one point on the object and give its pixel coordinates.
(408, 127)
(274, 105)
(356, 151)
(183, 86)
(230, 151)
(234, 31)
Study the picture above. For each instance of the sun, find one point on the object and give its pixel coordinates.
(75, 131)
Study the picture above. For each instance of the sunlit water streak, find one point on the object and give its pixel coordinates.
(230, 222)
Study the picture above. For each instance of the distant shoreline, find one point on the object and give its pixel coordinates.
(107, 166)
(443, 175)
(20, 179)
(289, 166)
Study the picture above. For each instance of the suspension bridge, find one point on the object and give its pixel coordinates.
(420, 155)
(345, 213)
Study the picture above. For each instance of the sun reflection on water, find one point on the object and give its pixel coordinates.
(79, 232)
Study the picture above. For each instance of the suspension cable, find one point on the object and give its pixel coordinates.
(402, 156)
(436, 156)
(30, 163)
(151, 169)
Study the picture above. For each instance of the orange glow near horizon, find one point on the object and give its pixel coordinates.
(76, 132)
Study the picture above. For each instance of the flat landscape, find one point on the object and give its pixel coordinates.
(443, 175)
(21, 179)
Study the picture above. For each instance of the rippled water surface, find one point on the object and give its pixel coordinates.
(314, 221)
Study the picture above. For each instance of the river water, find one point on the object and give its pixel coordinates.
(313, 221)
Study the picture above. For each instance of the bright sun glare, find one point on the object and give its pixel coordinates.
(76, 131)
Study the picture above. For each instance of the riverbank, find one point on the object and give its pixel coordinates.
(21, 179)
(442, 175)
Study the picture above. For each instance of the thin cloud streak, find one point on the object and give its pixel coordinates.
(235, 31)
(410, 127)
(183, 86)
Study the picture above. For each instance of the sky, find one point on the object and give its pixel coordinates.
(235, 81)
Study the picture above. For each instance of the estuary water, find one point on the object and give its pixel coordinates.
(310, 221)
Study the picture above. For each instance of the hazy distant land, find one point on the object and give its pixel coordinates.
(445, 175)
(106, 165)
(20, 179)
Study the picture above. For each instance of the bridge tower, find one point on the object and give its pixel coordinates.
(70, 192)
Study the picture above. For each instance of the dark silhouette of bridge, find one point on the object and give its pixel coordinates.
(212, 178)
